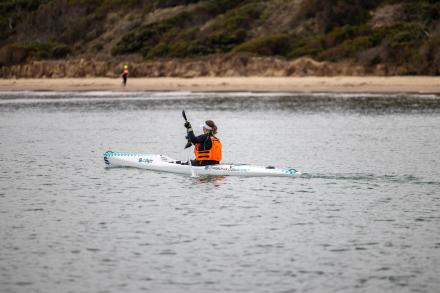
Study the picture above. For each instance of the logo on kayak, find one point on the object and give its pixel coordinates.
(240, 169)
(221, 168)
(291, 171)
(145, 161)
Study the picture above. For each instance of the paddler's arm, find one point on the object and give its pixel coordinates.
(195, 139)
(190, 134)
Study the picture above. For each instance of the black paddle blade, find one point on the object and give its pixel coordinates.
(188, 144)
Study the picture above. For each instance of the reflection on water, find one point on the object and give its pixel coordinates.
(213, 180)
(363, 217)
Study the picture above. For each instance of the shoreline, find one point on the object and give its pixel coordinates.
(343, 84)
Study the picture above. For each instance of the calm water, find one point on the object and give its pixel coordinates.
(364, 217)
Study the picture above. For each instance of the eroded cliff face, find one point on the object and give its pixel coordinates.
(235, 65)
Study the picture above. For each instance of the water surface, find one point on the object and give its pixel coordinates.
(364, 217)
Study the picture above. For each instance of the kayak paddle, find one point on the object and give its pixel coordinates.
(188, 144)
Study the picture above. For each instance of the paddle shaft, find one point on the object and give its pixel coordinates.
(188, 144)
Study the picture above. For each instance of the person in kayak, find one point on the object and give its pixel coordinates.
(208, 148)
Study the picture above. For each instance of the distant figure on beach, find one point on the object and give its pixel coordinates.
(125, 75)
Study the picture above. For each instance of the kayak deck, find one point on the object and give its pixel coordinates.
(166, 164)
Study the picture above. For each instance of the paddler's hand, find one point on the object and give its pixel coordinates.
(187, 125)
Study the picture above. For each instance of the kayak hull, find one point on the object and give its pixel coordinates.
(166, 164)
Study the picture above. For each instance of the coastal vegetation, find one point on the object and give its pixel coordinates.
(397, 34)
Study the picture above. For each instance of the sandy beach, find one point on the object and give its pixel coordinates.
(348, 84)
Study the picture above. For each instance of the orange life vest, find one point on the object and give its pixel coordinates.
(125, 72)
(213, 154)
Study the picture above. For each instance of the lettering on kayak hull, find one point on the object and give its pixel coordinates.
(145, 161)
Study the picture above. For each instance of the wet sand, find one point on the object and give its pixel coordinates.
(349, 84)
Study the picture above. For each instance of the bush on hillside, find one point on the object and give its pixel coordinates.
(405, 45)
(231, 29)
(334, 13)
(146, 37)
(170, 3)
(305, 46)
(240, 18)
(61, 21)
(348, 49)
(221, 42)
(43, 50)
(180, 36)
(402, 45)
(10, 13)
(425, 11)
(429, 57)
(265, 45)
(6, 28)
(158, 51)
(7, 6)
(216, 7)
(344, 33)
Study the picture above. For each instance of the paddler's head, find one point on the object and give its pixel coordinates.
(209, 127)
(125, 66)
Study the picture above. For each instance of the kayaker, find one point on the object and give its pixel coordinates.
(125, 75)
(208, 148)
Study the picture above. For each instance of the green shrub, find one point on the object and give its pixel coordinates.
(334, 13)
(148, 36)
(399, 43)
(140, 39)
(11, 11)
(44, 50)
(170, 3)
(405, 35)
(422, 11)
(346, 32)
(216, 7)
(98, 47)
(307, 9)
(431, 57)
(239, 18)
(160, 50)
(5, 29)
(7, 6)
(301, 46)
(231, 29)
(59, 51)
(347, 49)
(179, 49)
(265, 45)
(224, 42)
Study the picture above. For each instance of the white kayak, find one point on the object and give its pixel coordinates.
(167, 164)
